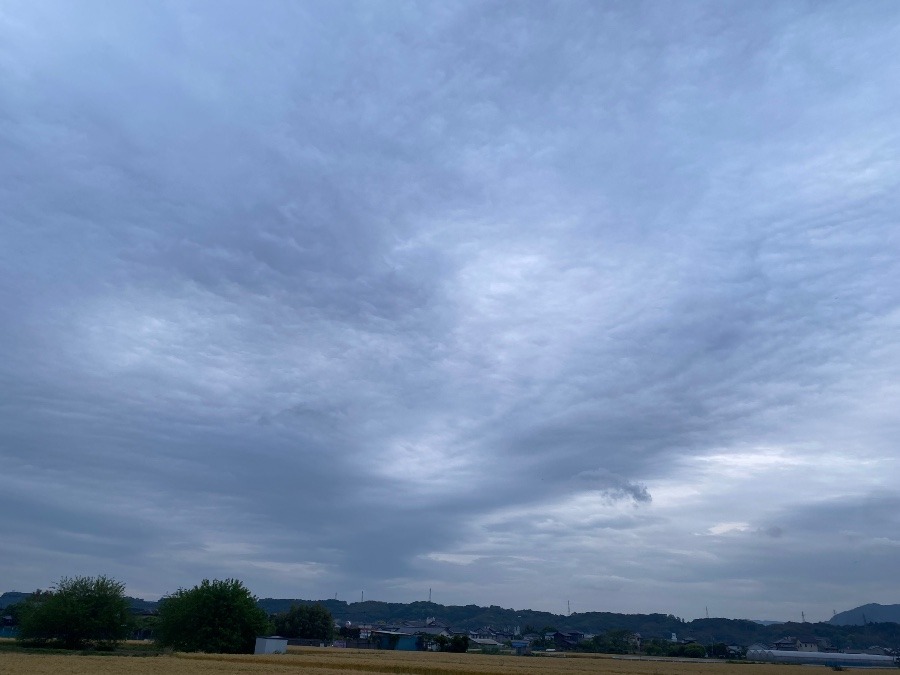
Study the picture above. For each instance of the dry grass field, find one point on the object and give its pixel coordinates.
(343, 662)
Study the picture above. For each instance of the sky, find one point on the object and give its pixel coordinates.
(548, 305)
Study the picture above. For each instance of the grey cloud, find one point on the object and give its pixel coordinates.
(348, 289)
(773, 531)
(613, 486)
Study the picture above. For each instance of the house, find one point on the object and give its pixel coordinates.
(807, 643)
(396, 640)
(521, 647)
(485, 644)
(786, 644)
(420, 628)
(567, 639)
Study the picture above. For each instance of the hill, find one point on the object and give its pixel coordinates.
(11, 598)
(871, 613)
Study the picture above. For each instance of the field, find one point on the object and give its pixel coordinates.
(344, 662)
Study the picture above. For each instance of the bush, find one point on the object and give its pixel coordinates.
(694, 651)
(78, 612)
(216, 616)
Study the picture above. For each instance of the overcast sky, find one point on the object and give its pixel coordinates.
(522, 302)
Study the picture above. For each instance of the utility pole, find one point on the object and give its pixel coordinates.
(362, 596)
(429, 596)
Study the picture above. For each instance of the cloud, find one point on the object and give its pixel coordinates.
(613, 486)
(326, 298)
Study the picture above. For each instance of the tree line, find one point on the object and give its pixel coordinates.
(219, 616)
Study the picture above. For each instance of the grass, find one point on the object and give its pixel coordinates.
(312, 661)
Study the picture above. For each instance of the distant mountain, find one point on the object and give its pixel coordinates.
(140, 605)
(136, 604)
(11, 598)
(766, 622)
(871, 613)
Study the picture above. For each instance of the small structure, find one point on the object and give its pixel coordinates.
(271, 644)
(521, 647)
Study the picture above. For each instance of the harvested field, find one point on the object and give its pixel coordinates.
(342, 662)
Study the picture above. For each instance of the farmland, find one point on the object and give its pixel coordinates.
(343, 662)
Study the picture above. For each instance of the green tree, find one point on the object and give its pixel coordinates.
(216, 616)
(458, 644)
(78, 612)
(349, 632)
(694, 651)
(719, 650)
(311, 622)
(613, 642)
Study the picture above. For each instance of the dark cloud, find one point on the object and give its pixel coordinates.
(613, 486)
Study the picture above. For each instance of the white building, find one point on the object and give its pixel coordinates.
(271, 644)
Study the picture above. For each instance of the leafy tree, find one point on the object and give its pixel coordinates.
(216, 616)
(311, 622)
(675, 649)
(654, 648)
(15, 611)
(348, 632)
(694, 651)
(78, 612)
(458, 644)
(719, 650)
(613, 642)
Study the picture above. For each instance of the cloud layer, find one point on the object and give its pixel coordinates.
(519, 302)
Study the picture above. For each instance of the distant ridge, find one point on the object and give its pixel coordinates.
(871, 613)
(11, 598)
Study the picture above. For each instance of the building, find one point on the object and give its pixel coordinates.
(396, 640)
(271, 644)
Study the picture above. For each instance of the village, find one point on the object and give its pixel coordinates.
(433, 635)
